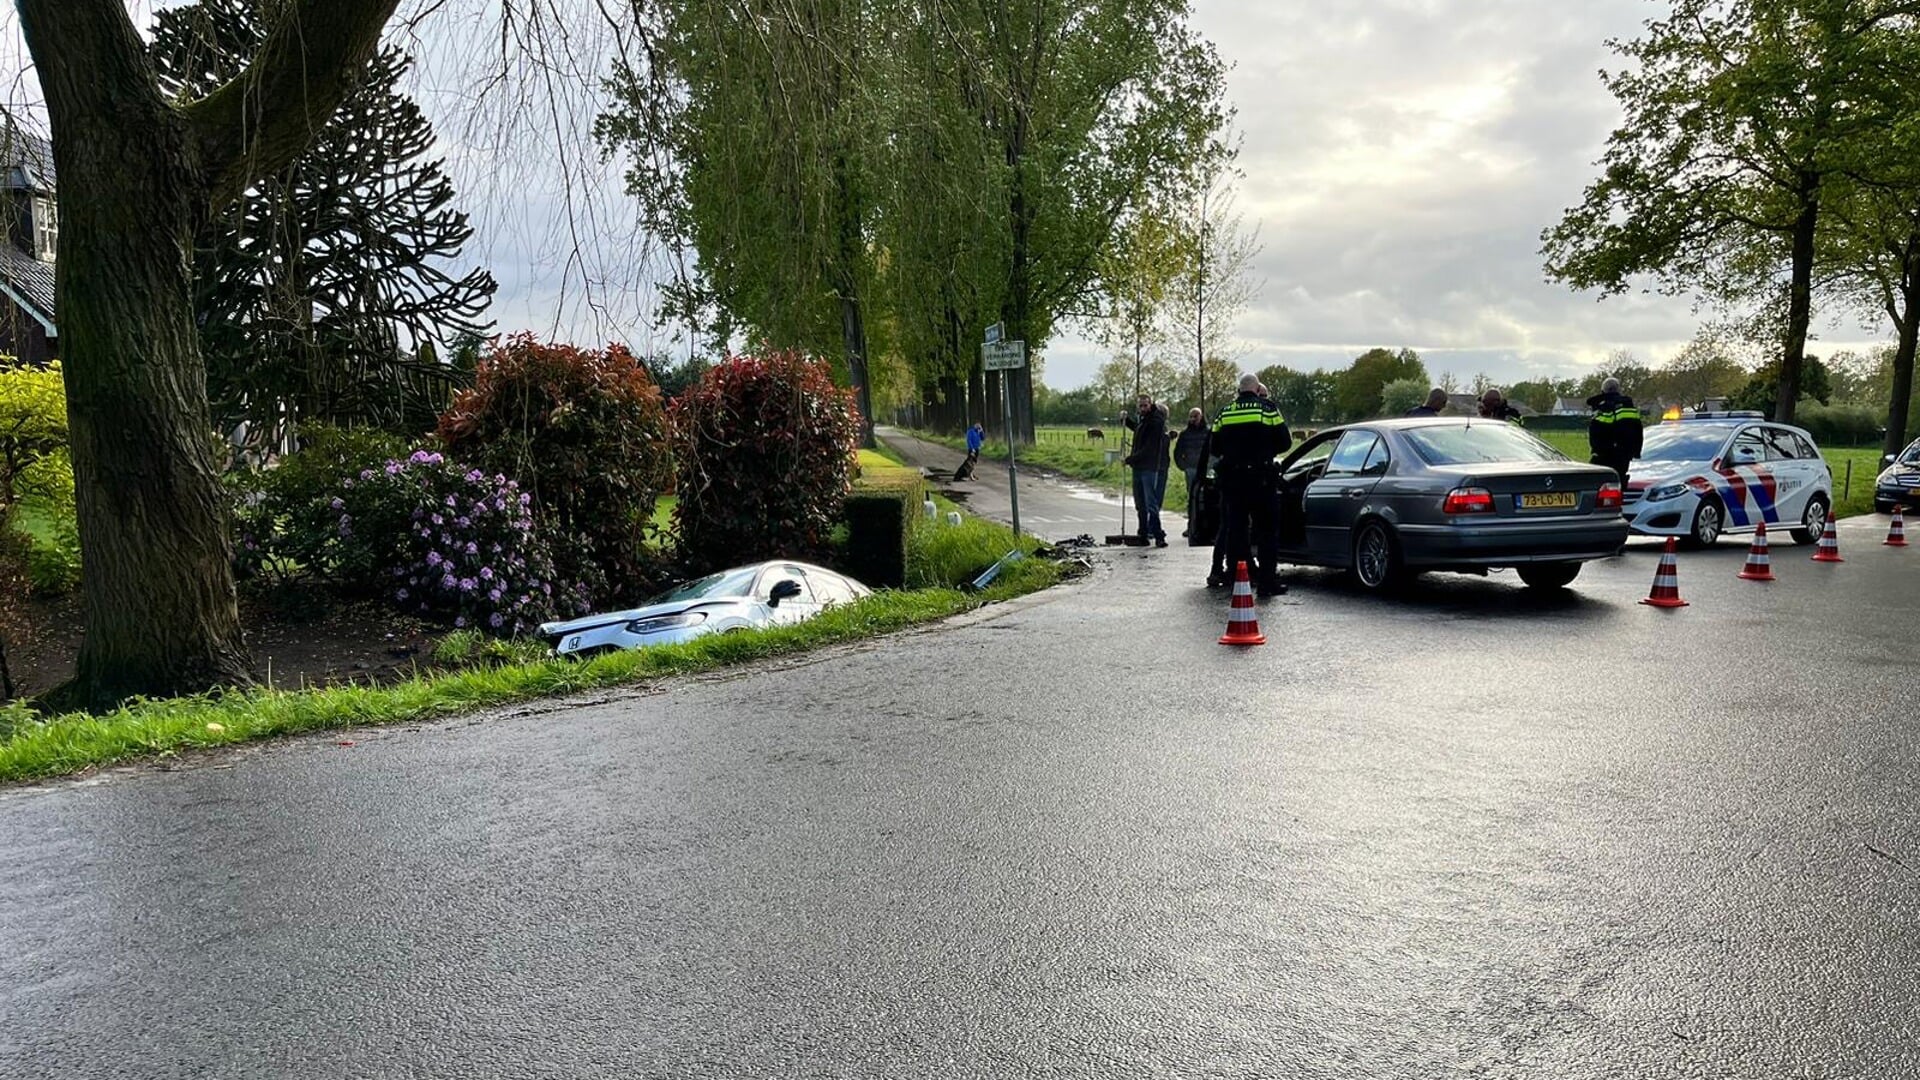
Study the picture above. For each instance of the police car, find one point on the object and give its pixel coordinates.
(1713, 473)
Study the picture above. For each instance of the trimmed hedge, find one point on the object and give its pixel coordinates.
(880, 515)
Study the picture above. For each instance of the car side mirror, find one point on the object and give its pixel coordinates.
(783, 590)
(1886, 459)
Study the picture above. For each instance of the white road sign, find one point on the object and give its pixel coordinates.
(1003, 355)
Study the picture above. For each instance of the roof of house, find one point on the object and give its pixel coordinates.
(1569, 405)
(28, 282)
(27, 158)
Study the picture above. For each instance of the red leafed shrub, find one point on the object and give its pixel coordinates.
(585, 434)
(764, 453)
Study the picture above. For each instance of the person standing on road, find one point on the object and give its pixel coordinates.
(976, 439)
(1247, 436)
(1189, 452)
(1148, 459)
(1493, 406)
(1436, 400)
(1614, 434)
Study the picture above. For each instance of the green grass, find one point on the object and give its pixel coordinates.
(31, 748)
(34, 521)
(943, 553)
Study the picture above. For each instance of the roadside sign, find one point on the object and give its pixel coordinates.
(996, 332)
(1003, 355)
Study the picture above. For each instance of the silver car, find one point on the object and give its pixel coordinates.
(1389, 498)
(761, 595)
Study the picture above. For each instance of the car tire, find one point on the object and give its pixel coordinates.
(1376, 563)
(1709, 521)
(1813, 521)
(1548, 575)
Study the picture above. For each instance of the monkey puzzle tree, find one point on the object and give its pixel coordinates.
(310, 288)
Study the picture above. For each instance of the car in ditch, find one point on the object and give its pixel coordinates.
(758, 596)
(1388, 499)
(1899, 483)
(1714, 474)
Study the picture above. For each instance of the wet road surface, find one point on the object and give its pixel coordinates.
(1473, 832)
(1052, 507)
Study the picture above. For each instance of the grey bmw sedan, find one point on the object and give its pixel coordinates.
(1389, 498)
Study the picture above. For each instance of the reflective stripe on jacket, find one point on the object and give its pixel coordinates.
(1249, 432)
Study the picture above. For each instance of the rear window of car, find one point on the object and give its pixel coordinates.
(1476, 444)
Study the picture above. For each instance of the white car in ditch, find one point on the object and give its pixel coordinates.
(752, 597)
(1710, 475)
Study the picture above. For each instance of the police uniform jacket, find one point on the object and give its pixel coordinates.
(1615, 431)
(1249, 434)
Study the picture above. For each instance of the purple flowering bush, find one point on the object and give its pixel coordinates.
(457, 543)
(430, 537)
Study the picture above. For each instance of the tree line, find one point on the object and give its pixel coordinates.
(878, 181)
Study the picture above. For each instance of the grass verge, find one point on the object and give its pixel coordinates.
(31, 748)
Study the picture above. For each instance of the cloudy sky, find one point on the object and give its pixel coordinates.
(1401, 158)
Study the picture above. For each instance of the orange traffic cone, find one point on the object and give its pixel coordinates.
(1759, 565)
(1829, 550)
(1243, 627)
(1897, 532)
(1666, 580)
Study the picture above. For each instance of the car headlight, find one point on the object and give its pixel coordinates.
(658, 623)
(1665, 492)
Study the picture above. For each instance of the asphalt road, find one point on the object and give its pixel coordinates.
(1052, 507)
(1474, 832)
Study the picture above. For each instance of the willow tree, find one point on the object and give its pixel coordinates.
(1740, 114)
(753, 126)
(139, 174)
(1094, 109)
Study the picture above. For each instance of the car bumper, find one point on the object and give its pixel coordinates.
(1671, 517)
(1899, 496)
(1509, 543)
(617, 636)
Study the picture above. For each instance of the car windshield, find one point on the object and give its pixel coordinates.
(1912, 455)
(725, 584)
(1677, 441)
(1475, 444)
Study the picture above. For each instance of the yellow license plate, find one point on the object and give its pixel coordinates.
(1549, 500)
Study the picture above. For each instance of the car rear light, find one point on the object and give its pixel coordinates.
(1609, 497)
(1468, 500)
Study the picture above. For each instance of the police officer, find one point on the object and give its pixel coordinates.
(1615, 431)
(1247, 435)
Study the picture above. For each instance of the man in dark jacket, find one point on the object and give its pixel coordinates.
(1494, 406)
(1247, 436)
(1436, 400)
(1189, 452)
(1148, 459)
(1615, 431)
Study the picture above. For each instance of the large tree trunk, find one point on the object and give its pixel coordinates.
(137, 174)
(1908, 321)
(1799, 302)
